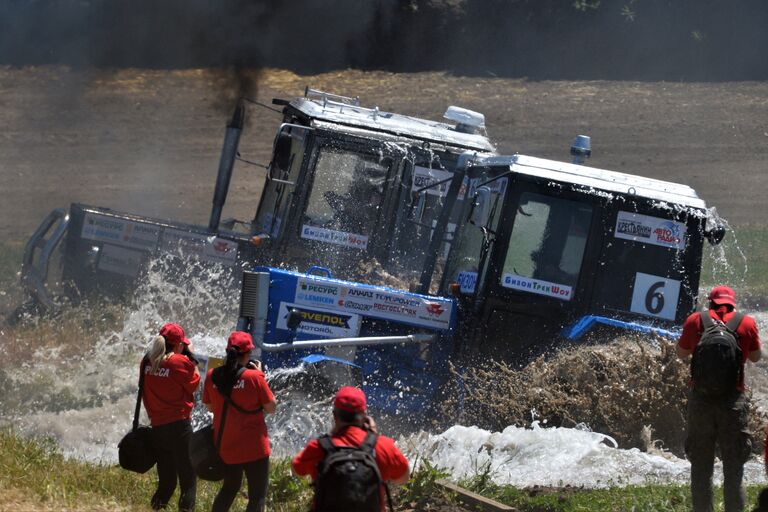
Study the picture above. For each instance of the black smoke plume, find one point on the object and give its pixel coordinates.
(552, 39)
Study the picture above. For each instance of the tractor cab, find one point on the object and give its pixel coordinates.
(358, 190)
(547, 250)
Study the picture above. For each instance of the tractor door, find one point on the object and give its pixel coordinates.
(286, 173)
(538, 269)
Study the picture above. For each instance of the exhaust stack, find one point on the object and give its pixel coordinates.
(226, 163)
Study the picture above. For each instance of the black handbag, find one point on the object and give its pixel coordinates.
(135, 451)
(203, 452)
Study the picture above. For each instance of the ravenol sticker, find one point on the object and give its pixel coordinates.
(332, 236)
(526, 284)
(651, 230)
(321, 322)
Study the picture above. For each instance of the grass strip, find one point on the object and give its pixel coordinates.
(35, 476)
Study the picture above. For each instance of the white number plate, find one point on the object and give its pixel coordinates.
(655, 296)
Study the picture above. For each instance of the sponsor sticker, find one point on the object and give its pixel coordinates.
(537, 286)
(332, 236)
(426, 177)
(321, 322)
(316, 293)
(368, 301)
(651, 230)
(128, 233)
(120, 260)
(655, 296)
(467, 281)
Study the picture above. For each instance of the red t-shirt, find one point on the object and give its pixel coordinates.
(168, 392)
(749, 340)
(392, 463)
(245, 436)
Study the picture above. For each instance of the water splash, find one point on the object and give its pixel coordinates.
(74, 378)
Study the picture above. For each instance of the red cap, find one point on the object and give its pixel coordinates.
(723, 295)
(241, 341)
(350, 399)
(173, 334)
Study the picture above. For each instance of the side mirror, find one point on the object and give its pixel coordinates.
(716, 234)
(282, 157)
(480, 213)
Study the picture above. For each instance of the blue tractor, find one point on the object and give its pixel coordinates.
(543, 253)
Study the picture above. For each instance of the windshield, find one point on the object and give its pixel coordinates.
(346, 198)
(547, 245)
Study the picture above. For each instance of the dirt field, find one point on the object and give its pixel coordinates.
(148, 141)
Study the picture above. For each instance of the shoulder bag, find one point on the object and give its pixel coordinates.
(203, 452)
(135, 451)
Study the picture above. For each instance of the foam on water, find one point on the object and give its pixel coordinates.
(552, 457)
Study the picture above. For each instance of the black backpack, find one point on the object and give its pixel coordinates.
(348, 478)
(716, 366)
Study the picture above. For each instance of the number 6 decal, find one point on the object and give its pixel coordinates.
(655, 296)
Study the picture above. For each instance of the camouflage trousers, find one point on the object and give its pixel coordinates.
(723, 423)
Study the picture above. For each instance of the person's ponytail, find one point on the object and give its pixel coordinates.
(159, 352)
(225, 376)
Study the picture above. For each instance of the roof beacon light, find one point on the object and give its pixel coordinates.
(581, 149)
(467, 121)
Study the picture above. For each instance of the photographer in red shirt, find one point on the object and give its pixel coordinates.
(351, 426)
(245, 441)
(170, 379)
(719, 420)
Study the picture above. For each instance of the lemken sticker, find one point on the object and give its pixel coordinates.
(537, 286)
(332, 236)
(320, 322)
(651, 230)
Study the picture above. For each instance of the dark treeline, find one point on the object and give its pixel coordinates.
(709, 40)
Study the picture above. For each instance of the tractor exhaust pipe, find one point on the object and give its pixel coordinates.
(254, 305)
(226, 163)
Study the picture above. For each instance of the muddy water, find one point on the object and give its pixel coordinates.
(74, 378)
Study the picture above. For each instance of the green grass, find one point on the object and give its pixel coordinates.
(741, 261)
(37, 470)
(646, 498)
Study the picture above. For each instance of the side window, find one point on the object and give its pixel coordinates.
(277, 196)
(547, 244)
(347, 192)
